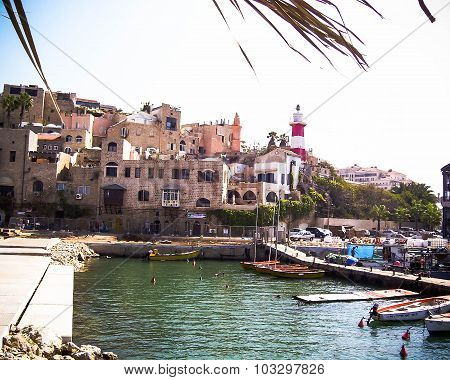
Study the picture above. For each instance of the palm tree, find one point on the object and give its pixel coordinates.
(417, 210)
(273, 136)
(25, 102)
(431, 215)
(379, 213)
(312, 23)
(401, 215)
(9, 104)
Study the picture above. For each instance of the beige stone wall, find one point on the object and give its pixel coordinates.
(33, 115)
(86, 139)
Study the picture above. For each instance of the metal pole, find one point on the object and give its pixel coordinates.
(276, 234)
(256, 227)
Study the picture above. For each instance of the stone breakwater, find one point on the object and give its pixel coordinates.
(71, 253)
(30, 343)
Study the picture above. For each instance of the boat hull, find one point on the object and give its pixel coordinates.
(438, 324)
(174, 257)
(267, 269)
(299, 275)
(252, 264)
(414, 310)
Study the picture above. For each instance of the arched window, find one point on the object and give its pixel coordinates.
(69, 138)
(203, 202)
(79, 139)
(182, 146)
(271, 197)
(143, 195)
(38, 187)
(67, 150)
(249, 196)
(111, 169)
(112, 147)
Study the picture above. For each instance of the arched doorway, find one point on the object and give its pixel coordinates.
(271, 197)
(155, 227)
(233, 197)
(249, 196)
(196, 229)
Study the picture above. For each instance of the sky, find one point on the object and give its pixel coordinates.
(395, 115)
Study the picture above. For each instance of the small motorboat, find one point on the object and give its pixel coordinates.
(411, 310)
(268, 268)
(438, 323)
(253, 264)
(154, 255)
(298, 274)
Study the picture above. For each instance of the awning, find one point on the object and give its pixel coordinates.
(113, 187)
(6, 181)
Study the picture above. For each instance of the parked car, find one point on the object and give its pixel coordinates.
(317, 232)
(399, 238)
(327, 232)
(402, 230)
(297, 234)
(387, 233)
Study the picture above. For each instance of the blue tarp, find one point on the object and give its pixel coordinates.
(361, 251)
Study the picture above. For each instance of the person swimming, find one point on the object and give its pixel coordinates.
(153, 280)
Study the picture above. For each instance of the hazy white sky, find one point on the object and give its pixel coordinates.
(395, 115)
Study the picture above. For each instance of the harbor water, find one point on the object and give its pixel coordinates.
(217, 310)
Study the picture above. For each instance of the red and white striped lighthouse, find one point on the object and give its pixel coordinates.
(298, 133)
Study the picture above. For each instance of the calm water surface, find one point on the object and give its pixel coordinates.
(186, 317)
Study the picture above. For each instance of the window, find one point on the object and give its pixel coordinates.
(80, 189)
(14, 90)
(201, 150)
(38, 187)
(206, 176)
(87, 190)
(203, 202)
(160, 173)
(124, 132)
(55, 147)
(112, 147)
(111, 169)
(67, 150)
(171, 198)
(60, 186)
(45, 147)
(49, 147)
(270, 177)
(283, 178)
(78, 139)
(12, 156)
(31, 92)
(193, 142)
(127, 172)
(171, 123)
(182, 146)
(175, 173)
(137, 172)
(143, 195)
(68, 138)
(170, 146)
(185, 173)
(151, 173)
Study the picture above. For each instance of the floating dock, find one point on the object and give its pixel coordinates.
(357, 296)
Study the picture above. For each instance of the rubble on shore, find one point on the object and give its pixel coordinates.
(71, 253)
(31, 343)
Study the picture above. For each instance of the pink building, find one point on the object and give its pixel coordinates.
(102, 123)
(75, 121)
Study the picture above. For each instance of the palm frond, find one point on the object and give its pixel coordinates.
(320, 30)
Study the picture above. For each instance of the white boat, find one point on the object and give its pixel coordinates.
(412, 310)
(438, 323)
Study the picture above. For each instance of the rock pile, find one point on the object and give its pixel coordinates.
(71, 253)
(31, 343)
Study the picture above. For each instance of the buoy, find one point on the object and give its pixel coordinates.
(361, 323)
(403, 352)
(406, 335)
(153, 280)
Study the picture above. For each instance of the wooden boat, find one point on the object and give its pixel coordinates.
(438, 323)
(252, 264)
(298, 274)
(412, 310)
(269, 268)
(156, 256)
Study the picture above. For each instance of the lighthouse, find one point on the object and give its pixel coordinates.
(298, 133)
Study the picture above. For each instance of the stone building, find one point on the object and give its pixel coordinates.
(33, 115)
(74, 140)
(50, 142)
(445, 201)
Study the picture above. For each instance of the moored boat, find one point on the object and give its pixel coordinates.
(253, 264)
(156, 256)
(438, 323)
(268, 268)
(298, 274)
(412, 310)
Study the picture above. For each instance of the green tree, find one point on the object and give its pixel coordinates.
(9, 104)
(24, 102)
(416, 211)
(431, 216)
(379, 213)
(401, 215)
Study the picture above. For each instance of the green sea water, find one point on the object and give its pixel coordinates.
(190, 313)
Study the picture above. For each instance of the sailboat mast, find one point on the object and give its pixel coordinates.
(276, 233)
(273, 229)
(256, 226)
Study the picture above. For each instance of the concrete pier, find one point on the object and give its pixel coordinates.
(376, 277)
(52, 304)
(19, 278)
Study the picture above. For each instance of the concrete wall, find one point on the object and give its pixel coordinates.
(361, 223)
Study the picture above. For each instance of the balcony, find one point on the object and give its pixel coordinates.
(170, 198)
